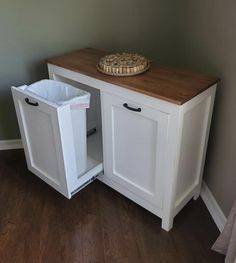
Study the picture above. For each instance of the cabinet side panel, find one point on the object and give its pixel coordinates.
(193, 139)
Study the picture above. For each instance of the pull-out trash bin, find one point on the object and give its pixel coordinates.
(52, 121)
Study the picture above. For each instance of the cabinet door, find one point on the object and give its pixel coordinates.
(40, 129)
(135, 139)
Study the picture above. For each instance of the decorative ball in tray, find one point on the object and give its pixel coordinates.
(123, 64)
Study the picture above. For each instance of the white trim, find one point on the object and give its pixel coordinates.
(213, 207)
(10, 144)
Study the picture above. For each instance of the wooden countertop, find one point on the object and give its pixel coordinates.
(175, 86)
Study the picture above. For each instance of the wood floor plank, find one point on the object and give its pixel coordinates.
(98, 225)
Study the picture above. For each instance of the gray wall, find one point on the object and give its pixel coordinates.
(32, 31)
(192, 34)
(207, 42)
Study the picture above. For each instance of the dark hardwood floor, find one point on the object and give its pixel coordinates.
(97, 225)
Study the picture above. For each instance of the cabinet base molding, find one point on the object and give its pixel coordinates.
(213, 207)
(11, 144)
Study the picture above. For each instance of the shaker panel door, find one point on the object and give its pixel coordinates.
(135, 147)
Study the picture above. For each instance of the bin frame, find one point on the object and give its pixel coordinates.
(63, 139)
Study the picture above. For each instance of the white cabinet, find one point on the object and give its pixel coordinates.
(154, 151)
(155, 130)
(135, 142)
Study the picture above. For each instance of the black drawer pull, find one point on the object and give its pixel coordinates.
(131, 108)
(31, 103)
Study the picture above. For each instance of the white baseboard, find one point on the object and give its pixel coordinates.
(11, 144)
(213, 207)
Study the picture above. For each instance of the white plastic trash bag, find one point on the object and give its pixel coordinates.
(60, 93)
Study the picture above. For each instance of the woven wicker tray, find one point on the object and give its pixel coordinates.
(125, 64)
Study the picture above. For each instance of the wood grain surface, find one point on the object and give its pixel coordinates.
(175, 86)
(98, 225)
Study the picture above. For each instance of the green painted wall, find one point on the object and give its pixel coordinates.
(190, 34)
(207, 43)
(32, 31)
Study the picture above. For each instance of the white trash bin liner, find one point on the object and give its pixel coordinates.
(61, 94)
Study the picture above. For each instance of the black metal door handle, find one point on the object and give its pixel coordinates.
(131, 108)
(31, 103)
